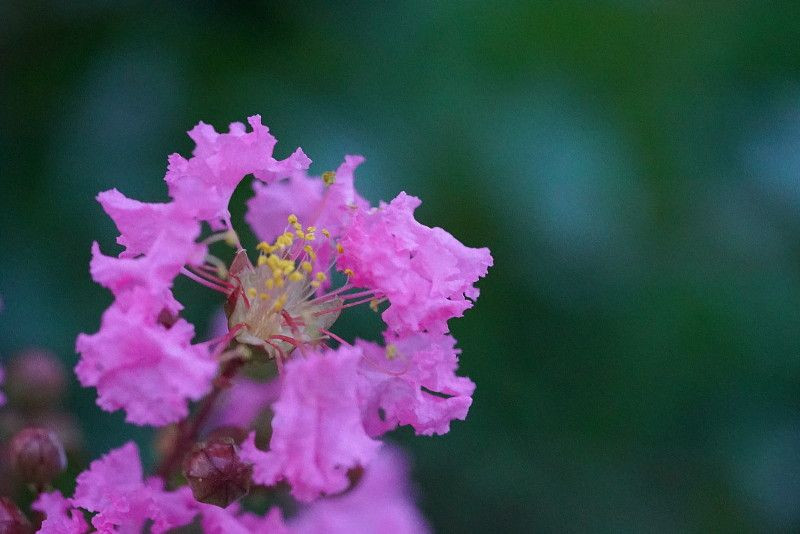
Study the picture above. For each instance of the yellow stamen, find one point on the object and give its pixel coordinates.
(328, 177)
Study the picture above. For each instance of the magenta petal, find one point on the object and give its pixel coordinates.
(60, 516)
(413, 382)
(317, 433)
(379, 503)
(426, 273)
(143, 367)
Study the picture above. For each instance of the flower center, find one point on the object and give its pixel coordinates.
(276, 304)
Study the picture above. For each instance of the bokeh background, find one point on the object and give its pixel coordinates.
(633, 165)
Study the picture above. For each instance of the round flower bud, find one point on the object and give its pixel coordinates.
(36, 455)
(12, 521)
(36, 379)
(215, 472)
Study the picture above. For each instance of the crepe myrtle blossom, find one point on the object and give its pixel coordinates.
(323, 249)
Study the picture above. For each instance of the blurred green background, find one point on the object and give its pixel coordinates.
(633, 165)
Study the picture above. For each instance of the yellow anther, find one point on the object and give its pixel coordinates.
(264, 247)
(328, 177)
(300, 234)
(295, 276)
(311, 229)
(263, 296)
(309, 236)
(310, 252)
(252, 292)
(306, 266)
(321, 277)
(348, 272)
(297, 226)
(373, 305)
(391, 352)
(292, 218)
(279, 282)
(339, 248)
(262, 260)
(315, 283)
(325, 232)
(270, 283)
(288, 270)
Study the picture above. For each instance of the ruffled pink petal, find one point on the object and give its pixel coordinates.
(113, 488)
(317, 432)
(141, 223)
(143, 367)
(413, 383)
(379, 503)
(220, 161)
(315, 204)
(156, 270)
(60, 516)
(426, 273)
(230, 521)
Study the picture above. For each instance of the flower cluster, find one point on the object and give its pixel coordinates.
(323, 249)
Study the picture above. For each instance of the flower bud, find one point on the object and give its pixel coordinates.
(215, 472)
(12, 521)
(36, 379)
(37, 455)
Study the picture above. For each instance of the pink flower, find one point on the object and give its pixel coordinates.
(317, 433)
(413, 382)
(60, 516)
(379, 503)
(426, 273)
(144, 367)
(220, 161)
